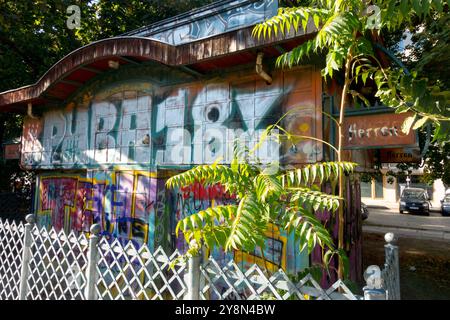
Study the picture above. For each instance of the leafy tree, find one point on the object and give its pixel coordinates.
(264, 196)
(437, 163)
(119, 16)
(346, 35)
(34, 35)
(427, 53)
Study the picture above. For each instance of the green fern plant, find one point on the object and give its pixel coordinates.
(264, 196)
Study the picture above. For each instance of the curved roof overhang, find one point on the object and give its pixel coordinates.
(196, 58)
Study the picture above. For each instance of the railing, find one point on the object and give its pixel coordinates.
(45, 264)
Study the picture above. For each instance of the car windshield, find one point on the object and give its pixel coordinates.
(447, 199)
(413, 194)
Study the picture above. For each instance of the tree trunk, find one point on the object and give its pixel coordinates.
(340, 156)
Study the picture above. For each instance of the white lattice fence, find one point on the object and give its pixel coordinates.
(45, 264)
(57, 266)
(231, 283)
(125, 272)
(11, 246)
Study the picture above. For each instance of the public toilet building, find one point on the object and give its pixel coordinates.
(110, 122)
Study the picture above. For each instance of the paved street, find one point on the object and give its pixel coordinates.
(382, 220)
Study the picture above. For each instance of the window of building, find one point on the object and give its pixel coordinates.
(372, 189)
(378, 186)
(366, 189)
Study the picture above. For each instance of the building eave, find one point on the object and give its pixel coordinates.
(84, 63)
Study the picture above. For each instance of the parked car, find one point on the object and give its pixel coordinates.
(415, 200)
(364, 211)
(445, 206)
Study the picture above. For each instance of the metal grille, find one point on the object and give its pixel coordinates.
(57, 266)
(11, 246)
(127, 272)
(229, 282)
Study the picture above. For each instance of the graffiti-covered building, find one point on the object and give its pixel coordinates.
(110, 122)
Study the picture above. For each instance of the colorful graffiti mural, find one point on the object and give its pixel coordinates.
(176, 125)
(136, 206)
(121, 144)
(122, 202)
(281, 249)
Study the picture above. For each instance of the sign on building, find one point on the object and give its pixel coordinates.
(378, 130)
(400, 155)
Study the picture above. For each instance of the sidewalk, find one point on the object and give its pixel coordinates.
(378, 204)
(409, 233)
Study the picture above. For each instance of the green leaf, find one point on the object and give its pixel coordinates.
(364, 77)
(404, 7)
(420, 123)
(417, 7)
(316, 19)
(437, 4)
(407, 124)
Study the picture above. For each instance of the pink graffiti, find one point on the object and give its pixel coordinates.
(123, 208)
(200, 192)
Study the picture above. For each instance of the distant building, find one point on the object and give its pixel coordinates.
(387, 189)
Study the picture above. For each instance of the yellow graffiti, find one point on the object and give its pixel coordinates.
(273, 232)
(70, 210)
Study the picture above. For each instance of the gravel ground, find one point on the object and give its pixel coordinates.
(424, 266)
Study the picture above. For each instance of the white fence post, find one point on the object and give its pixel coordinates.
(26, 256)
(193, 277)
(384, 284)
(392, 265)
(91, 272)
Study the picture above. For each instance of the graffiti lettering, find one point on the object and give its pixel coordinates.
(194, 124)
(222, 21)
(123, 205)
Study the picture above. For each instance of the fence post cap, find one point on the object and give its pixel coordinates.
(30, 218)
(95, 229)
(390, 238)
